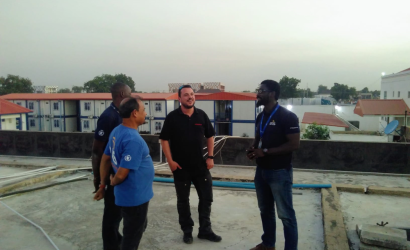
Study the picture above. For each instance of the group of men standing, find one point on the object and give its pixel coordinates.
(124, 171)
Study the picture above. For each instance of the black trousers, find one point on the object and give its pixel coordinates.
(135, 223)
(111, 221)
(203, 186)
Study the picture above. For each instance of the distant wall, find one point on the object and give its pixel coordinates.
(326, 155)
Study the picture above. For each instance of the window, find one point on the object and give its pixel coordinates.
(385, 94)
(86, 124)
(32, 123)
(31, 105)
(398, 93)
(55, 105)
(158, 126)
(56, 123)
(408, 95)
(18, 103)
(158, 107)
(393, 93)
(87, 106)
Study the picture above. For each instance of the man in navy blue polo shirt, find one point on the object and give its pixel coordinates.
(108, 120)
(128, 155)
(277, 136)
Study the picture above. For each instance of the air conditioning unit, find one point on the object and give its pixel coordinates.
(151, 117)
(90, 117)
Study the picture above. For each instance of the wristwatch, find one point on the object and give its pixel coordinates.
(211, 157)
(265, 151)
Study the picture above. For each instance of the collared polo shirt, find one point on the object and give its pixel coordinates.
(282, 123)
(186, 137)
(108, 120)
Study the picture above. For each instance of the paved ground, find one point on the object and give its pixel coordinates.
(72, 219)
(372, 209)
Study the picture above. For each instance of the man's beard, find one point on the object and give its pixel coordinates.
(260, 103)
(187, 106)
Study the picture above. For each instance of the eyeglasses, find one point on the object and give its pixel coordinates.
(260, 91)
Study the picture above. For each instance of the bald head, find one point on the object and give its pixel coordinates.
(120, 91)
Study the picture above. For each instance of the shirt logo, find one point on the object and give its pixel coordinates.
(101, 132)
(127, 158)
(272, 123)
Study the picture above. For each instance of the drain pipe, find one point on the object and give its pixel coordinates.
(246, 185)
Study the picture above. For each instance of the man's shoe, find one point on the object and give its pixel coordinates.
(262, 247)
(188, 239)
(211, 237)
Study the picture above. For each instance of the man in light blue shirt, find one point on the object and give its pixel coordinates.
(128, 155)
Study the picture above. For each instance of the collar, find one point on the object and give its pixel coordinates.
(271, 110)
(113, 107)
(182, 113)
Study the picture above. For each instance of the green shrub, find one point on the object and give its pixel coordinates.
(316, 132)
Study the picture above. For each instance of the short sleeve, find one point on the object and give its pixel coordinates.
(291, 124)
(132, 154)
(104, 128)
(209, 129)
(166, 129)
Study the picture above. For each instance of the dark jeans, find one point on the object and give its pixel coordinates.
(275, 186)
(203, 186)
(135, 223)
(111, 221)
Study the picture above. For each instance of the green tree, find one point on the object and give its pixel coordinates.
(316, 132)
(15, 84)
(103, 83)
(246, 91)
(66, 90)
(353, 92)
(375, 93)
(288, 87)
(340, 91)
(365, 90)
(304, 93)
(77, 89)
(322, 90)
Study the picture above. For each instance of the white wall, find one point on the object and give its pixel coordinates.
(170, 106)
(60, 107)
(146, 126)
(100, 106)
(91, 124)
(84, 112)
(36, 107)
(22, 103)
(57, 124)
(36, 126)
(154, 112)
(70, 124)
(238, 129)
(207, 107)
(8, 122)
(395, 83)
(23, 122)
(147, 107)
(243, 110)
(366, 123)
(70, 108)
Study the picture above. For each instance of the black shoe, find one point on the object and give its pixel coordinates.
(211, 237)
(188, 239)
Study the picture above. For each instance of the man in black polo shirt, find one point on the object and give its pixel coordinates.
(277, 135)
(182, 141)
(108, 120)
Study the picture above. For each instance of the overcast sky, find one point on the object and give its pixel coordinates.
(236, 42)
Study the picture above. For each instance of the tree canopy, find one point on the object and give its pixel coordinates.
(343, 92)
(288, 87)
(66, 90)
(15, 84)
(103, 83)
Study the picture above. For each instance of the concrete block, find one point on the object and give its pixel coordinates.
(363, 246)
(389, 191)
(384, 236)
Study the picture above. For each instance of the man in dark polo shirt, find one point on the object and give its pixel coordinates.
(108, 120)
(182, 141)
(277, 136)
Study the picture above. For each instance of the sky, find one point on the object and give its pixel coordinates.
(237, 42)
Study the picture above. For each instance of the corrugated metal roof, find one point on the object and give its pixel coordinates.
(7, 107)
(323, 119)
(228, 96)
(381, 107)
(87, 96)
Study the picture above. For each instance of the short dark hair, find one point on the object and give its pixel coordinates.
(183, 87)
(272, 85)
(130, 105)
(116, 88)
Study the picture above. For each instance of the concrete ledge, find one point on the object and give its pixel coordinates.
(389, 191)
(32, 181)
(168, 173)
(349, 188)
(333, 225)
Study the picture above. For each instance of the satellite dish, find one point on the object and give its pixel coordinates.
(391, 127)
